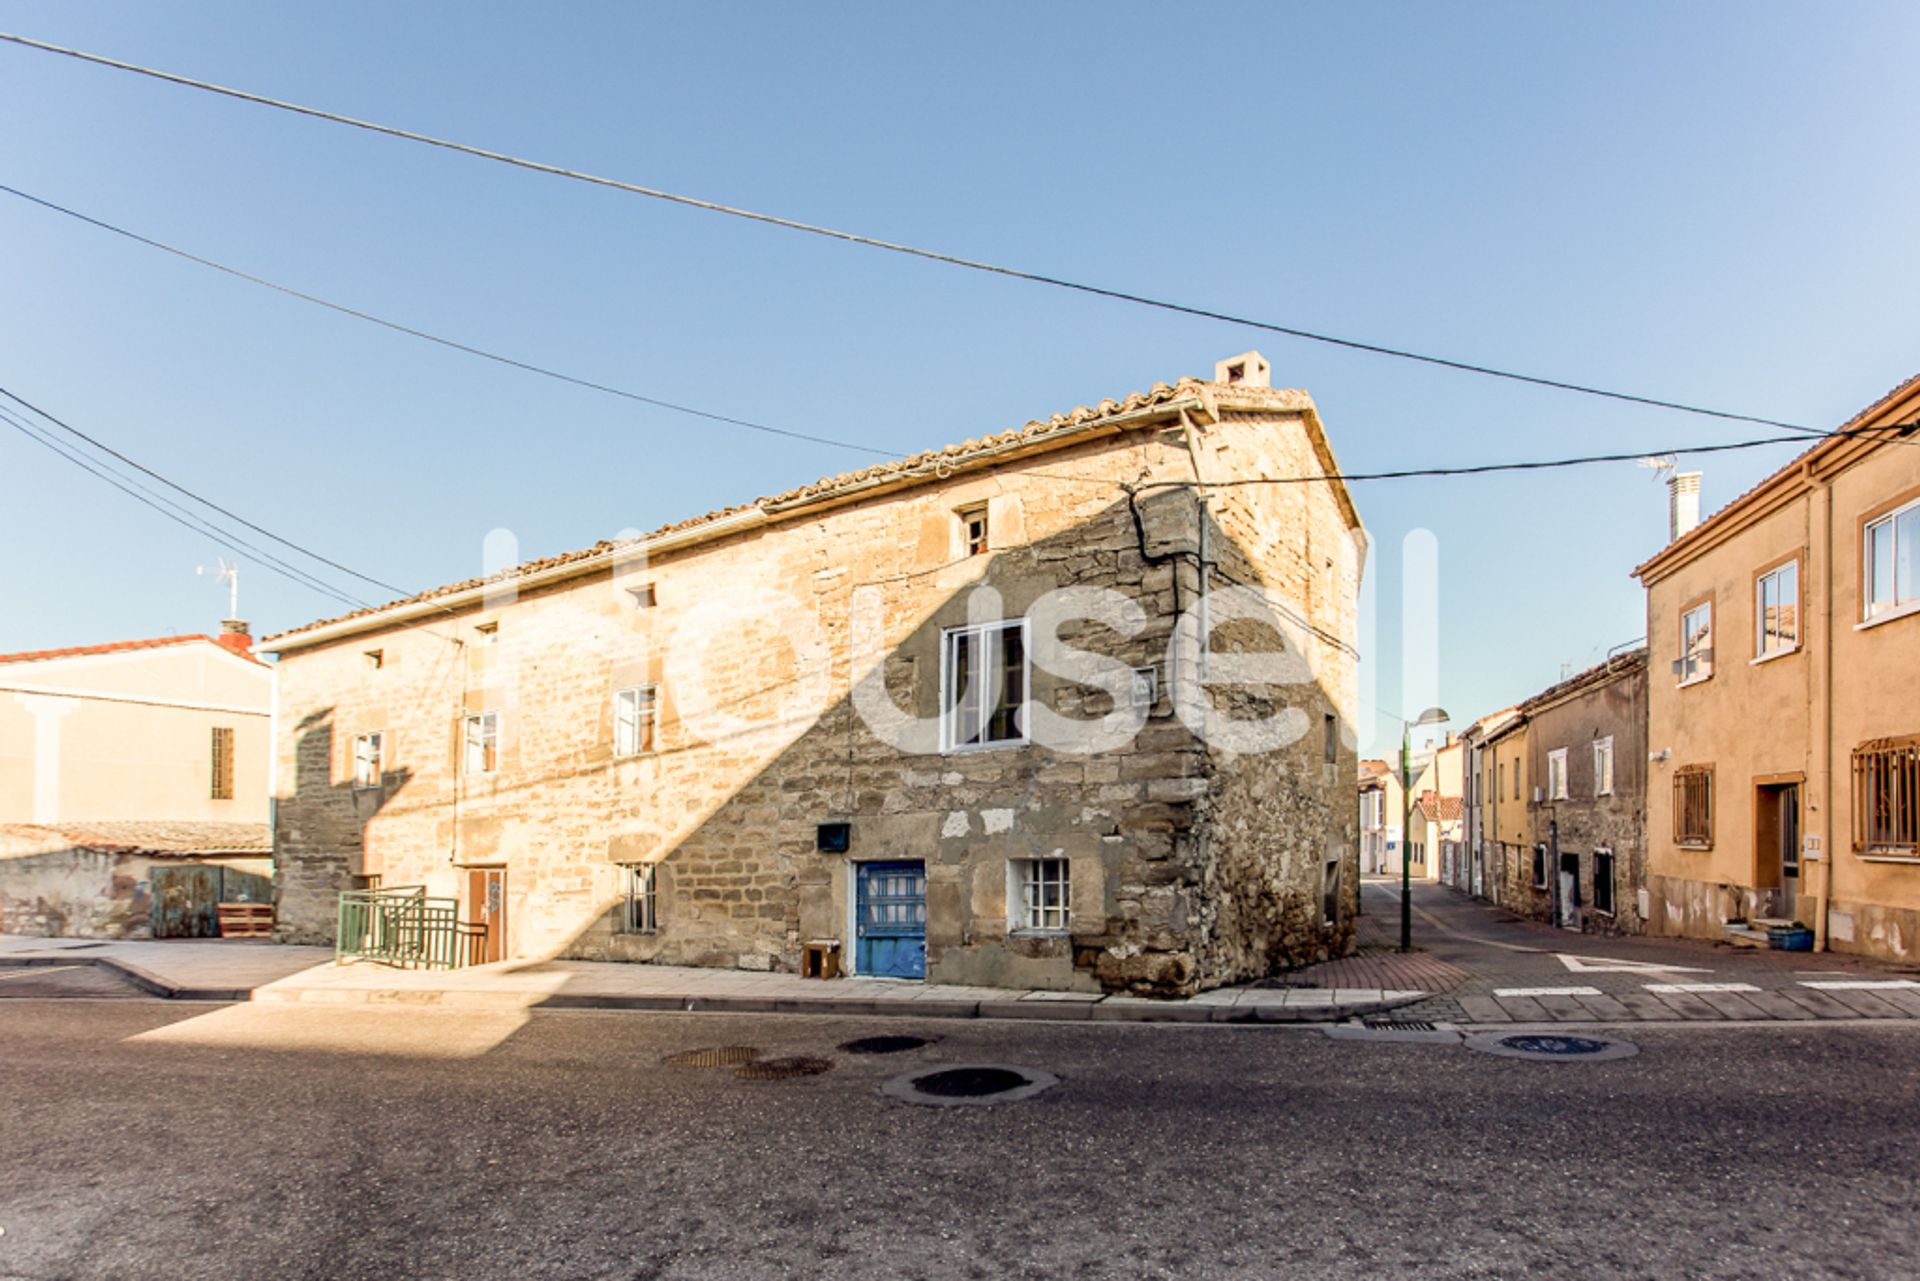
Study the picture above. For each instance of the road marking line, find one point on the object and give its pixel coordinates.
(1700, 987)
(1860, 985)
(27, 971)
(1605, 964)
(1546, 991)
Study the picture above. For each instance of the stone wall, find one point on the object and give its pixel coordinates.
(1190, 866)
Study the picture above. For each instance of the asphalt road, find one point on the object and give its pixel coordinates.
(145, 1139)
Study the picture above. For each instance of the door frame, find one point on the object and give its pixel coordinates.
(851, 952)
(474, 915)
(1766, 826)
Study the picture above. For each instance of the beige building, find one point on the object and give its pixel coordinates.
(1783, 710)
(944, 717)
(1508, 833)
(133, 786)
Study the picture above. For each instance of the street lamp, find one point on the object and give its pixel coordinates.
(1432, 716)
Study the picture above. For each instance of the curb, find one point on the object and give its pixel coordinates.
(148, 982)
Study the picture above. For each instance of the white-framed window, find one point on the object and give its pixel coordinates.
(481, 754)
(1557, 774)
(366, 760)
(1603, 766)
(639, 909)
(1892, 554)
(1042, 894)
(1603, 881)
(1776, 610)
(1696, 643)
(973, 529)
(635, 714)
(983, 685)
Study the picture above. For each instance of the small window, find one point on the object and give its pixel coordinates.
(973, 529)
(482, 743)
(1330, 892)
(1776, 611)
(1146, 686)
(635, 712)
(366, 760)
(1886, 798)
(643, 596)
(1693, 807)
(222, 763)
(1045, 894)
(488, 633)
(1603, 766)
(1332, 738)
(1557, 774)
(984, 699)
(1516, 780)
(1696, 644)
(1603, 882)
(1539, 867)
(1892, 553)
(638, 906)
(376, 659)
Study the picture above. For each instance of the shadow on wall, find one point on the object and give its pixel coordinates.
(340, 830)
(1190, 865)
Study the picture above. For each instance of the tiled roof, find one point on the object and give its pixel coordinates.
(155, 836)
(112, 647)
(1616, 665)
(1693, 536)
(1438, 809)
(931, 462)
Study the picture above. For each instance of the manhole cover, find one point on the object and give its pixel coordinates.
(782, 1069)
(714, 1056)
(884, 1044)
(969, 1084)
(1555, 1047)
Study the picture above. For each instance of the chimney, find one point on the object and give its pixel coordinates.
(1683, 503)
(236, 635)
(1248, 369)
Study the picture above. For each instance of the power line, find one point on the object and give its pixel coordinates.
(180, 515)
(952, 260)
(424, 335)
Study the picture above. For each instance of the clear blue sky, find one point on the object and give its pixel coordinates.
(1710, 202)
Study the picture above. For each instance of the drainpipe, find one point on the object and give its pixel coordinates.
(1823, 717)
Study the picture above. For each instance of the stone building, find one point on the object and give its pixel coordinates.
(1586, 750)
(1051, 708)
(1783, 713)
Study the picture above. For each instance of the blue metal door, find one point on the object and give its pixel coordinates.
(890, 920)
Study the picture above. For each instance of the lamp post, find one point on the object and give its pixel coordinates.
(1432, 716)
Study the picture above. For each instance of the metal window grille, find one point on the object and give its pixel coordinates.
(1046, 893)
(639, 908)
(366, 760)
(1693, 807)
(1886, 797)
(635, 713)
(222, 763)
(482, 743)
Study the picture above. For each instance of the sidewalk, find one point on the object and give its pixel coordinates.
(232, 971)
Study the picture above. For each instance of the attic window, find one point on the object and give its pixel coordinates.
(488, 632)
(376, 659)
(973, 529)
(643, 596)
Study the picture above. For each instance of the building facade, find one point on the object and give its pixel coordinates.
(1038, 710)
(1784, 718)
(1509, 820)
(1380, 819)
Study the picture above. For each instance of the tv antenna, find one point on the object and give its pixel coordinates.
(228, 574)
(1661, 465)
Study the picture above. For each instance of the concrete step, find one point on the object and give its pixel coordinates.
(1745, 936)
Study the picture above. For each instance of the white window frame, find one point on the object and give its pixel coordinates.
(1788, 570)
(1603, 766)
(365, 779)
(949, 709)
(969, 545)
(1696, 659)
(1027, 880)
(639, 899)
(644, 702)
(481, 731)
(1557, 774)
(1872, 605)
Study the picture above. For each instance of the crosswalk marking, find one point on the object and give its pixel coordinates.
(1700, 987)
(1860, 985)
(1606, 964)
(1546, 991)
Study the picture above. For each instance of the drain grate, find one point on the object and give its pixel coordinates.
(1399, 1025)
(783, 1069)
(884, 1044)
(714, 1056)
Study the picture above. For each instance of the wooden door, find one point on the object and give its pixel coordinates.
(487, 905)
(185, 901)
(891, 920)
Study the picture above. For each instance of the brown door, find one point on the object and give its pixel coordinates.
(487, 905)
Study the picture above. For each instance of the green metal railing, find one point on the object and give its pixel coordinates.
(403, 927)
